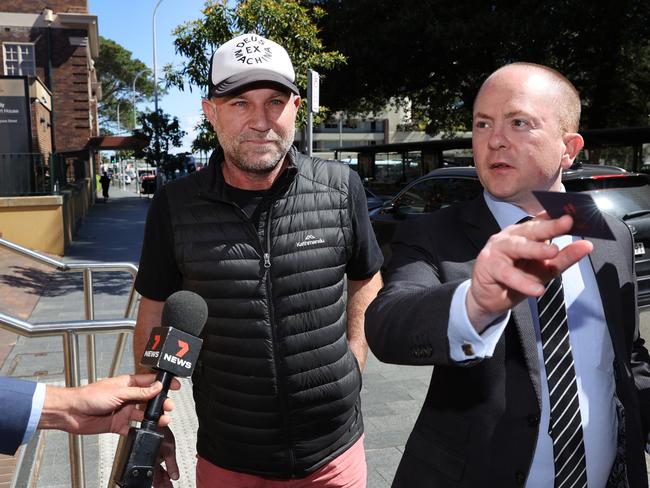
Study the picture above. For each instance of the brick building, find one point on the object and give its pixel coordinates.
(65, 66)
(48, 103)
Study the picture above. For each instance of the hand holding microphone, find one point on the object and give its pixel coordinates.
(172, 350)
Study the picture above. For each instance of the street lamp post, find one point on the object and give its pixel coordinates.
(135, 163)
(117, 154)
(155, 83)
(133, 92)
(118, 117)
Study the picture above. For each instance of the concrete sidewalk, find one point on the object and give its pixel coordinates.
(112, 231)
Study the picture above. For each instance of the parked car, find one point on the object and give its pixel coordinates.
(374, 201)
(615, 191)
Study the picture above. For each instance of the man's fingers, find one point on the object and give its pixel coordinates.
(570, 255)
(172, 467)
(541, 229)
(168, 406)
(144, 379)
(140, 393)
(519, 247)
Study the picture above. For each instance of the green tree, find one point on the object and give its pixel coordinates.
(206, 139)
(160, 132)
(288, 22)
(436, 53)
(116, 70)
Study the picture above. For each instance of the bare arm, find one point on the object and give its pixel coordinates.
(149, 314)
(360, 294)
(104, 406)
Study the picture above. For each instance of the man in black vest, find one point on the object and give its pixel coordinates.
(281, 248)
(540, 376)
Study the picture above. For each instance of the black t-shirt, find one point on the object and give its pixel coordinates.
(247, 200)
(159, 276)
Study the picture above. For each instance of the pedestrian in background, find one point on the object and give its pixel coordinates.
(105, 181)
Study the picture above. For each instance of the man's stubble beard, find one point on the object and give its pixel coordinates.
(249, 164)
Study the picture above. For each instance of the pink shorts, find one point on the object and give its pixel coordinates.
(346, 471)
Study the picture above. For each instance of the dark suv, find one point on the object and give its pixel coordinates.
(617, 192)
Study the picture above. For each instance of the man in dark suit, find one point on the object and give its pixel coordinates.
(541, 378)
(104, 406)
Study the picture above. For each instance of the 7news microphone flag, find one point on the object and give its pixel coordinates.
(172, 350)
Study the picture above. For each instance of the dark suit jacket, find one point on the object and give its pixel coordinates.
(15, 408)
(480, 419)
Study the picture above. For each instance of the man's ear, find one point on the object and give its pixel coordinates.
(573, 144)
(296, 101)
(209, 111)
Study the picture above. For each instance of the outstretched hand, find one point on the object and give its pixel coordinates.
(516, 263)
(105, 406)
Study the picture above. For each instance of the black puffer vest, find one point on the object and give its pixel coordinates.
(276, 386)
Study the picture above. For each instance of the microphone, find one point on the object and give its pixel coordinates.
(172, 350)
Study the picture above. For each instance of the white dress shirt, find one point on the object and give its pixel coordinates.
(35, 415)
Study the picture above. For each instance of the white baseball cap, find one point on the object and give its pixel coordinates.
(248, 59)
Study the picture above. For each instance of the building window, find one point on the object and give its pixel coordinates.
(19, 59)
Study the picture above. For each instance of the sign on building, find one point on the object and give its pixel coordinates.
(16, 166)
(15, 134)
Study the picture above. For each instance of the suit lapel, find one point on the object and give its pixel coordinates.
(526, 330)
(480, 224)
(608, 281)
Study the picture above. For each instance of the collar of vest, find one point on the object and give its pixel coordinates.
(215, 189)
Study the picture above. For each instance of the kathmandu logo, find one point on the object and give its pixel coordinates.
(310, 240)
(2, 105)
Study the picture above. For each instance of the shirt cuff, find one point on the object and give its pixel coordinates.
(464, 342)
(37, 408)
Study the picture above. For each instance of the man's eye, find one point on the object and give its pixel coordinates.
(239, 103)
(277, 101)
(480, 124)
(519, 123)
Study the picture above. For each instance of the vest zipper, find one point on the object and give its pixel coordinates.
(282, 396)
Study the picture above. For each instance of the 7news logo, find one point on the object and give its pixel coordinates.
(176, 358)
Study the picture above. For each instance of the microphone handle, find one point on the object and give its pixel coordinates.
(155, 405)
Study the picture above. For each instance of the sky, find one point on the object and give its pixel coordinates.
(129, 23)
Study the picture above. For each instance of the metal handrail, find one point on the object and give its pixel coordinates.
(69, 331)
(44, 329)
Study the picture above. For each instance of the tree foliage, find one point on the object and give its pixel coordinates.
(436, 53)
(287, 22)
(116, 70)
(160, 132)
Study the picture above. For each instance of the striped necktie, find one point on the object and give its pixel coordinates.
(565, 427)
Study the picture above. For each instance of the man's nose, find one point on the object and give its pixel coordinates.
(259, 119)
(498, 139)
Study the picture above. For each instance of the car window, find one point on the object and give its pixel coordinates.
(434, 193)
(616, 196)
